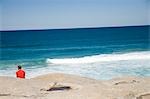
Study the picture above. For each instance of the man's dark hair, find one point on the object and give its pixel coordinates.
(19, 67)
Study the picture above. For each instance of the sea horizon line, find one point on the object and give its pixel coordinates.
(75, 28)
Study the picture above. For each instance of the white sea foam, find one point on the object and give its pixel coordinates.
(102, 58)
(104, 66)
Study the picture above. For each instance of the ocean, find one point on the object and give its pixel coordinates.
(99, 53)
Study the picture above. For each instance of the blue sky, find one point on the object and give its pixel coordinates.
(148, 5)
(49, 14)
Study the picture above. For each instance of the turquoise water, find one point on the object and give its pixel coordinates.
(100, 53)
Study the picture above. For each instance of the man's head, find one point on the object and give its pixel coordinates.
(19, 67)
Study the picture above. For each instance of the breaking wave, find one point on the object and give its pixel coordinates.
(102, 58)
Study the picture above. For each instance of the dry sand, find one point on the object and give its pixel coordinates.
(81, 87)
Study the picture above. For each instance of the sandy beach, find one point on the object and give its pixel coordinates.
(67, 86)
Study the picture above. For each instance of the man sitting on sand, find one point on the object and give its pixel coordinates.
(20, 73)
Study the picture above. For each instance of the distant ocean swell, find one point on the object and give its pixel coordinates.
(72, 48)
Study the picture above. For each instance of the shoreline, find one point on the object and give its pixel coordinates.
(79, 87)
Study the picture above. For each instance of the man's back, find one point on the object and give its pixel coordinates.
(20, 73)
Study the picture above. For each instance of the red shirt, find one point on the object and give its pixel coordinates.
(20, 74)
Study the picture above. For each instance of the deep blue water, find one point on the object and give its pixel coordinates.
(31, 48)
